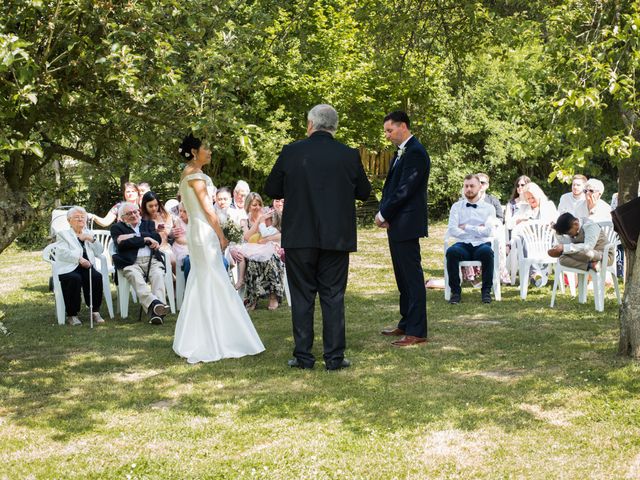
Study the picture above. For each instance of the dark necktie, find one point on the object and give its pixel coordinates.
(472, 205)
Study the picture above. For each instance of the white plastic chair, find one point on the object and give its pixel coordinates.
(124, 287)
(495, 246)
(536, 238)
(598, 279)
(49, 255)
(613, 239)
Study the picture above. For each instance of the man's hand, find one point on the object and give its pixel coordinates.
(125, 236)
(379, 222)
(84, 263)
(153, 245)
(556, 251)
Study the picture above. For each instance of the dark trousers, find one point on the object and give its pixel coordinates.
(407, 267)
(71, 284)
(464, 252)
(311, 271)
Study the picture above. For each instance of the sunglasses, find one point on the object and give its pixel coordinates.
(590, 190)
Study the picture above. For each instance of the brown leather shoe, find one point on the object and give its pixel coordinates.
(392, 332)
(408, 341)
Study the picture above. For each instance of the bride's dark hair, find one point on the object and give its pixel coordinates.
(188, 143)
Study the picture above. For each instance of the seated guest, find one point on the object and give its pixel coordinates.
(516, 203)
(131, 195)
(138, 255)
(264, 271)
(240, 192)
(180, 247)
(593, 207)
(487, 197)
(539, 208)
(581, 243)
(471, 222)
(152, 209)
(143, 187)
(570, 200)
(223, 208)
(76, 251)
(278, 205)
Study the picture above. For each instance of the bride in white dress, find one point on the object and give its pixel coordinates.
(213, 322)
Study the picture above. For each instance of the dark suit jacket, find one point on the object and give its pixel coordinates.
(319, 178)
(404, 195)
(128, 249)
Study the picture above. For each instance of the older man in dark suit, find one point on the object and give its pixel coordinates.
(320, 178)
(403, 212)
(138, 255)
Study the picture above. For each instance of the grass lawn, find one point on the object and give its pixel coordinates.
(508, 390)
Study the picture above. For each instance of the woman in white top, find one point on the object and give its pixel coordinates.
(76, 251)
(539, 208)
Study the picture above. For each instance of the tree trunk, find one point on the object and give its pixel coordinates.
(628, 179)
(15, 213)
(629, 343)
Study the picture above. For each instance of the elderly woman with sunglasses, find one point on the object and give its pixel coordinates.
(593, 207)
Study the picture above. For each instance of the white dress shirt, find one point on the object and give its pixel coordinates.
(478, 222)
(144, 251)
(569, 203)
(601, 211)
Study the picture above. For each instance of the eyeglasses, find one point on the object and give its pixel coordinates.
(591, 190)
(132, 212)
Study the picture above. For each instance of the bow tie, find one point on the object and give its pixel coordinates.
(472, 205)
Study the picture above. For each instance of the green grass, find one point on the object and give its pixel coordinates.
(508, 390)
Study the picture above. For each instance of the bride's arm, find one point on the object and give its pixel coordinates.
(200, 189)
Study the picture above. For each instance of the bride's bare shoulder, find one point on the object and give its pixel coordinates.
(189, 171)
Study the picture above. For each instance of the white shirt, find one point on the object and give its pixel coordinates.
(144, 251)
(478, 222)
(569, 203)
(601, 212)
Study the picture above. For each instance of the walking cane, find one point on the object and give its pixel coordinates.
(146, 279)
(90, 295)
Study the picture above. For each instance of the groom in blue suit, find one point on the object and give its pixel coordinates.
(403, 212)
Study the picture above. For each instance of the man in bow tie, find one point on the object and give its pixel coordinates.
(403, 212)
(471, 222)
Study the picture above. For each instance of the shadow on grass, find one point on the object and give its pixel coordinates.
(482, 363)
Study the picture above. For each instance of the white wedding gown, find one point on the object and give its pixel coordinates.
(213, 322)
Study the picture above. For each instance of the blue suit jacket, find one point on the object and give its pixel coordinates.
(404, 195)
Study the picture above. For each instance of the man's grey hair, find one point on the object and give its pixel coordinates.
(323, 117)
(123, 206)
(73, 210)
(242, 185)
(595, 184)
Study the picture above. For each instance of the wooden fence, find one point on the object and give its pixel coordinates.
(376, 163)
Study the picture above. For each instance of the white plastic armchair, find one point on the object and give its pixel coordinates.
(49, 255)
(535, 238)
(495, 246)
(598, 279)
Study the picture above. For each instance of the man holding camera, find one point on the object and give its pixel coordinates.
(139, 258)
